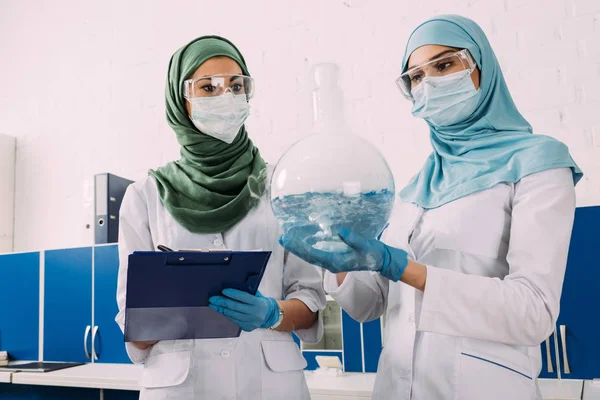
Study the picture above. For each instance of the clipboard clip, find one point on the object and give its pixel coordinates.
(206, 250)
(167, 249)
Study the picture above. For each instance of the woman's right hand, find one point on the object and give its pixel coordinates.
(364, 255)
(144, 345)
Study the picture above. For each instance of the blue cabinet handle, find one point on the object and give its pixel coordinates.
(85, 337)
(563, 339)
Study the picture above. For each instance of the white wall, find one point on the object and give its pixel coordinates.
(7, 191)
(81, 84)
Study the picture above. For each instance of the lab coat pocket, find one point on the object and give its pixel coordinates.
(165, 370)
(490, 370)
(283, 371)
(283, 355)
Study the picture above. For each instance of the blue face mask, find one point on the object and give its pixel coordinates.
(445, 100)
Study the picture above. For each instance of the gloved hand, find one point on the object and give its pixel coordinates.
(364, 255)
(245, 310)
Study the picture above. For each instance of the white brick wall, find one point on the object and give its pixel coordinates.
(81, 84)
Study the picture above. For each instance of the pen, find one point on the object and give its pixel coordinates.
(163, 248)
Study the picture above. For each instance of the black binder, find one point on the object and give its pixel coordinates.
(168, 292)
(108, 194)
(38, 366)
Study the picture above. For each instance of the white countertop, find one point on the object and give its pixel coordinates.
(591, 390)
(126, 377)
(5, 377)
(564, 389)
(348, 384)
(99, 376)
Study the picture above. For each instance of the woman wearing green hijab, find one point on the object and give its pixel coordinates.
(470, 270)
(214, 197)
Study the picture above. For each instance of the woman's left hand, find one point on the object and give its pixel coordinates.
(248, 311)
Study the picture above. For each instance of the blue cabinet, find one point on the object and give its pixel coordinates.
(121, 395)
(109, 344)
(71, 332)
(580, 299)
(10, 391)
(19, 305)
(352, 344)
(361, 346)
(372, 344)
(68, 304)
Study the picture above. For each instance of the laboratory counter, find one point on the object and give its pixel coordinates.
(5, 377)
(348, 386)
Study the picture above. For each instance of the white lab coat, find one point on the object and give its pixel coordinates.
(261, 364)
(495, 267)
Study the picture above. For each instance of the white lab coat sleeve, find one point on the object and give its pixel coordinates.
(304, 282)
(134, 235)
(363, 294)
(522, 308)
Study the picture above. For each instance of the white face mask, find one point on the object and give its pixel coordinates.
(446, 100)
(220, 117)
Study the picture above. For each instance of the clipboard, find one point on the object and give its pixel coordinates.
(168, 292)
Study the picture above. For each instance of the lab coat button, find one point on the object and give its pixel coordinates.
(225, 354)
(218, 242)
(411, 318)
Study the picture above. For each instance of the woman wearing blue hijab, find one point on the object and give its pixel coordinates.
(470, 270)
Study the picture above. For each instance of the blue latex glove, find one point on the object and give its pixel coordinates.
(364, 255)
(245, 310)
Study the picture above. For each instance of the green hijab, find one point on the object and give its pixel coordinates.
(214, 184)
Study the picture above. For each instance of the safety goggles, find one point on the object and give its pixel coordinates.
(441, 66)
(217, 85)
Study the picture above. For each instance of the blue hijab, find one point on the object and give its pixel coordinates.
(494, 145)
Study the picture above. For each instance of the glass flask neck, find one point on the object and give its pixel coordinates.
(328, 101)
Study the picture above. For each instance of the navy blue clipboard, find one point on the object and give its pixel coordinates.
(168, 292)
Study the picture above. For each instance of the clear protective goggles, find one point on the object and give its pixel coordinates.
(217, 85)
(441, 66)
